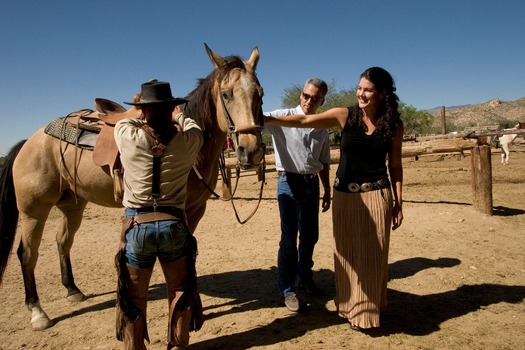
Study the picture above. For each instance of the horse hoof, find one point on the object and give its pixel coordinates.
(77, 297)
(39, 319)
(41, 324)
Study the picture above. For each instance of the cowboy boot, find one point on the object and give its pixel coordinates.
(178, 275)
(137, 330)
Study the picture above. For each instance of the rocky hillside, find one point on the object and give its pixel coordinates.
(494, 112)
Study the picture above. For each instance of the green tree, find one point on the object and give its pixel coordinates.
(291, 95)
(415, 122)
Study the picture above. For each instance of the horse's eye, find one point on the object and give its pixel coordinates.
(227, 95)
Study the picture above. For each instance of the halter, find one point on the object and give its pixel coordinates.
(233, 130)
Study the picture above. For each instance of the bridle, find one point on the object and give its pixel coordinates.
(234, 131)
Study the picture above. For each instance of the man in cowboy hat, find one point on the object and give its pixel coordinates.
(157, 156)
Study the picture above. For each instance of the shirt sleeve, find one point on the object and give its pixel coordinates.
(127, 131)
(191, 130)
(324, 157)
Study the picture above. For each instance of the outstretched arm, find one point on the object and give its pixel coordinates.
(325, 120)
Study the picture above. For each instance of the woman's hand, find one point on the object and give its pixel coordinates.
(397, 216)
(268, 119)
(179, 109)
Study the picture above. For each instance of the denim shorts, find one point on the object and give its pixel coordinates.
(168, 240)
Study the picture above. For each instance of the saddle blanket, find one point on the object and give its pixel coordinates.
(83, 136)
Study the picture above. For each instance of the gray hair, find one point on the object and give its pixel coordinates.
(318, 83)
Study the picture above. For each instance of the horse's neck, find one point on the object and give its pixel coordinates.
(211, 150)
(507, 138)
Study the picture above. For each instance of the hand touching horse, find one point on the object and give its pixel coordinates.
(43, 172)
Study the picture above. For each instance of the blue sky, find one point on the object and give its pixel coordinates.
(58, 56)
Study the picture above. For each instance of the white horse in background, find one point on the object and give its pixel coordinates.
(505, 140)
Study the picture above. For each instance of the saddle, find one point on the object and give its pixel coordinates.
(109, 112)
(95, 130)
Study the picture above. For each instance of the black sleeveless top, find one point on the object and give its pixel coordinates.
(362, 156)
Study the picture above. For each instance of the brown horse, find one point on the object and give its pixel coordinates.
(42, 172)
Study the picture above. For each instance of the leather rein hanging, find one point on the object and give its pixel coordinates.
(81, 113)
(233, 130)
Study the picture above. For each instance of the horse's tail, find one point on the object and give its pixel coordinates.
(8, 208)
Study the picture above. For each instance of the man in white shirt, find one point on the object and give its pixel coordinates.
(302, 157)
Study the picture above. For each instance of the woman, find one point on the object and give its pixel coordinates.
(364, 202)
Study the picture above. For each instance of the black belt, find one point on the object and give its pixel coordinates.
(360, 187)
(289, 174)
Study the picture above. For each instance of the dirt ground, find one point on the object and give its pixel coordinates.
(457, 277)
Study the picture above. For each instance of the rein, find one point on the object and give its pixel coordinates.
(62, 150)
(261, 173)
(233, 130)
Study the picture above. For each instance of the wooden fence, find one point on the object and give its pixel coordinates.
(477, 142)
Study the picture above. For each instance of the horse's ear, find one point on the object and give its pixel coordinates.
(216, 59)
(254, 58)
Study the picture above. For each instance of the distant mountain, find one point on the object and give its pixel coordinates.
(494, 112)
(438, 109)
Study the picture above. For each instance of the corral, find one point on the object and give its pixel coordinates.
(456, 275)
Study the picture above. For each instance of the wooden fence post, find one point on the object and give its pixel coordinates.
(443, 121)
(482, 179)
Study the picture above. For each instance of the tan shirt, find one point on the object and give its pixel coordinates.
(137, 160)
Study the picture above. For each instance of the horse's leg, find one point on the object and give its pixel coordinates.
(31, 229)
(72, 211)
(504, 153)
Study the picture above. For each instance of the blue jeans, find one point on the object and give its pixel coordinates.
(298, 200)
(168, 240)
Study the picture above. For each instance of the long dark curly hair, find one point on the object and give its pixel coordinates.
(388, 117)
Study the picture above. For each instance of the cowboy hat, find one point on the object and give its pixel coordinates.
(156, 92)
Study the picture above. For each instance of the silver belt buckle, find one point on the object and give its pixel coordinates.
(367, 186)
(354, 187)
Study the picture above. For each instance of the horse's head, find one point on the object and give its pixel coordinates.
(238, 100)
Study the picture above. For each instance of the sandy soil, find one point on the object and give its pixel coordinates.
(457, 277)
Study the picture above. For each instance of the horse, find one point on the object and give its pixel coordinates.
(40, 173)
(505, 140)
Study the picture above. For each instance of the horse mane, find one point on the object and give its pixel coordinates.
(201, 105)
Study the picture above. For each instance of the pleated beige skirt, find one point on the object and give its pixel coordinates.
(361, 224)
